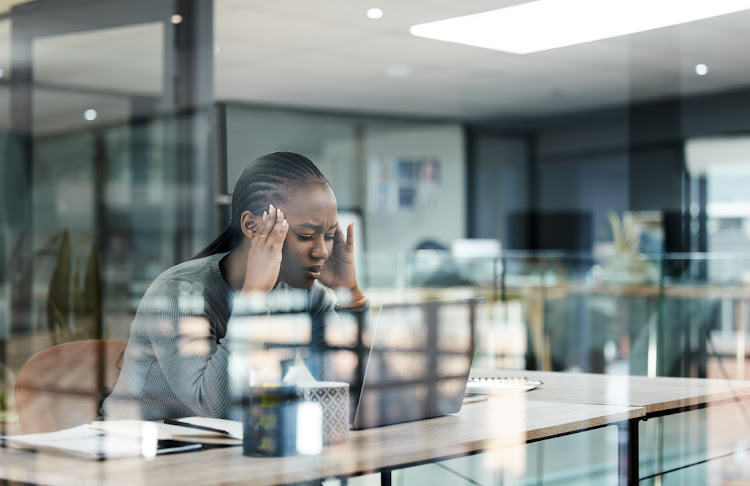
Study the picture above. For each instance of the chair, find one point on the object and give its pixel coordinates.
(63, 386)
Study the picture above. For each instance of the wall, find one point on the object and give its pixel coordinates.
(343, 147)
(500, 181)
(445, 220)
(329, 141)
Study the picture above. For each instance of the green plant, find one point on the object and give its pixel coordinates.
(625, 234)
(74, 310)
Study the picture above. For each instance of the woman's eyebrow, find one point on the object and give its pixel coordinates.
(317, 227)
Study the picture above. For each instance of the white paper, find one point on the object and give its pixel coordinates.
(82, 441)
(86, 441)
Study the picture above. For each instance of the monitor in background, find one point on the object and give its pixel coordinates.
(550, 230)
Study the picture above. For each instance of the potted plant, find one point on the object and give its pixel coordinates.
(626, 266)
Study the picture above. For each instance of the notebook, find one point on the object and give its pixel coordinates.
(419, 362)
(500, 385)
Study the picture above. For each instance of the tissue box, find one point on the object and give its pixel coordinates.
(333, 398)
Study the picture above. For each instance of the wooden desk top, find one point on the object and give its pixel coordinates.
(481, 426)
(653, 394)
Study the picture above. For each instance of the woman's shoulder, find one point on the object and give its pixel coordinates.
(192, 274)
(191, 269)
(182, 286)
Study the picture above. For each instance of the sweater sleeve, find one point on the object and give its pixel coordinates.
(326, 317)
(181, 326)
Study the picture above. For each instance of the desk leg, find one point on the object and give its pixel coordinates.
(627, 453)
(385, 477)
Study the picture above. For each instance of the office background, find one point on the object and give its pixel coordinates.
(123, 126)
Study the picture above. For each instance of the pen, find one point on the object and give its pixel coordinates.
(193, 426)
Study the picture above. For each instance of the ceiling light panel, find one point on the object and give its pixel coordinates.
(549, 24)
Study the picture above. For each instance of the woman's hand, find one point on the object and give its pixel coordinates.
(338, 272)
(264, 256)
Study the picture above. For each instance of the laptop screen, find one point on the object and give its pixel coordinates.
(419, 362)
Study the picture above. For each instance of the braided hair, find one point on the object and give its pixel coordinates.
(266, 180)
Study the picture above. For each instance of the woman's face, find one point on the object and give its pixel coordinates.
(311, 215)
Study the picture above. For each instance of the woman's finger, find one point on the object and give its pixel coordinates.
(350, 237)
(269, 220)
(278, 233)
(338, 236)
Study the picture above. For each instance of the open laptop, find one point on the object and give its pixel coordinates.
(419, 361)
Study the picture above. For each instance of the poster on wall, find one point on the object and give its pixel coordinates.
(403, 184)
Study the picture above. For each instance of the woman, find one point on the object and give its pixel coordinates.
(283, 234)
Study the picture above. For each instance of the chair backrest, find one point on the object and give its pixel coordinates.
(63, 386)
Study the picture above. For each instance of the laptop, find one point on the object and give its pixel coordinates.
(419, 361)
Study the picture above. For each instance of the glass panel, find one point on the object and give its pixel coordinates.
(594, 194)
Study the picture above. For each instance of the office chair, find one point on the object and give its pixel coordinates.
(64, 386)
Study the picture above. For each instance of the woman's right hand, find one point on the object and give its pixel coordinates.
(264, 256)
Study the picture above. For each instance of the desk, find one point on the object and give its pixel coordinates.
(591, 401)
(655, 396)
(478, 427)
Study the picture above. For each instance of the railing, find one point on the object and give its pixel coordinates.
(654, 315)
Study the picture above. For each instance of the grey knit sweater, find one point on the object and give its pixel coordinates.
(175, 363)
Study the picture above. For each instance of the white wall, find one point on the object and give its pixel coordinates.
(445, 222)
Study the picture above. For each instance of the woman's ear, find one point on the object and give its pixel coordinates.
(248, 224)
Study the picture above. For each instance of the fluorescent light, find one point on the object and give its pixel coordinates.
(549, 24)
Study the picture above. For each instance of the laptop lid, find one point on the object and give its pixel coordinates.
(419, 362)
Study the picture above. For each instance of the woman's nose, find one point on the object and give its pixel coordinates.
(320, 249)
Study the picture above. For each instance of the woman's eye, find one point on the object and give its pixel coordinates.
(305, 237)
(329, 237)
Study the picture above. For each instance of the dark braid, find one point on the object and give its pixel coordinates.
(269, 179)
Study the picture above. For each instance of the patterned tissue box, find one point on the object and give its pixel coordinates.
(334, 401)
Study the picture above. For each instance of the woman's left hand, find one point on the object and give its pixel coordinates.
(338, 272)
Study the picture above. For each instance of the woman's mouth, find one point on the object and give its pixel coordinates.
(314, 271)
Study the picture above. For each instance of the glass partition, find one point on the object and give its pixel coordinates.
(578, 312)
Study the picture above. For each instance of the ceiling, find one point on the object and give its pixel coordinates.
(329, 56)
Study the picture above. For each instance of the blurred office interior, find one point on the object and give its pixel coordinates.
(595, 193)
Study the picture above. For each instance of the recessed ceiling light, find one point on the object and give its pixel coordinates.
(548, 24)
(90, 114)
(701, 69)
(397, 71)
(176, 19)
(374, 13)
(2, 73)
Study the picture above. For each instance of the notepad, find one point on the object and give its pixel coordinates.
(132, 438)
(88, 442)
(233, 428)
(208, 430)
(498, 385)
